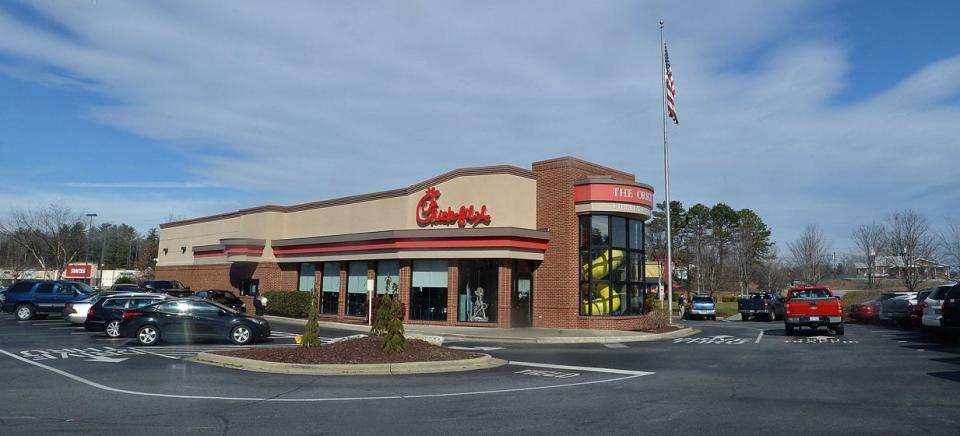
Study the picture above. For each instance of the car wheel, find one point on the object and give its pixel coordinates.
(839, 330)
(112, 329)
(148, 335)
(744, 316)
(790, 331)
(241, 335)
(25, 312)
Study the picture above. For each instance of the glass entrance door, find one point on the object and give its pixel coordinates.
(250, 287)
(522, 301)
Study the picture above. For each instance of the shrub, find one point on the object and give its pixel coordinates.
(389, 322)
(655, 321)
(292, 304)
(311, 335)
(125, 280)
(729, 299)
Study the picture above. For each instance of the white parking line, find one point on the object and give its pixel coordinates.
(581, 368)
(314, 400)
(759, 337)
(615, 345)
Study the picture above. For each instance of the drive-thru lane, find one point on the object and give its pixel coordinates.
(731, 378)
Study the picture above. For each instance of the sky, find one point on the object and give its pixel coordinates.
(833, 113)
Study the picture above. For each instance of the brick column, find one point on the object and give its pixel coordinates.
(404, 286)
(342, 303)
(504, 293)
(453, 282)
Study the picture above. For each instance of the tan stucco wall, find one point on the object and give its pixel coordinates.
(510, 201)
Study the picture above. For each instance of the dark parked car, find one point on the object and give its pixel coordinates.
(225, 298)
(126, 287)
(31, 298)
(950, 309)
(766, 305)
(106, 314)
(162, 285)
(191, 319)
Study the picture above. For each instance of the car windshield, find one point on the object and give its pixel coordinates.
(85, 288)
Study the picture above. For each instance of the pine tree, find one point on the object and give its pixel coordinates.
(388, 322)
(311, 337)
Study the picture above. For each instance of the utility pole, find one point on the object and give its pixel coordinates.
(86, 256)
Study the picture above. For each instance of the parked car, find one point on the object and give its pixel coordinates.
(162, 285)
(30, 298)
(76, 312)
(878, 304)
(812, 307)
(106, 314)
(916, 311)
(897, 310)
(701, 306)
(769, 306)
(126, 287)
(191, 319)
(225, 298)
(950, 309)
(864, 312)
(932, 306)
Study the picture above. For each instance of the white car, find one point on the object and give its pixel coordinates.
(76, 312)
(932, 305)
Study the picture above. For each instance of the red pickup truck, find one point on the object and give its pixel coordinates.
(812, 306)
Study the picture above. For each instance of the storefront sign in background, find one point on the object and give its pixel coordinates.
(78, 271)
(613, 193)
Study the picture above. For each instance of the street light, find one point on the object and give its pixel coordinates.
(86, 256)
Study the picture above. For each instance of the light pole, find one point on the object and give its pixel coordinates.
(86, 256)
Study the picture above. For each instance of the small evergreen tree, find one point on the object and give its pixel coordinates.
(311, 337)
(388, 322)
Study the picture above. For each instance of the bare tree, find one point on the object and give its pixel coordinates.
(909, 239)
(772, 274)
(871, 240)
(809, 254)
(53, 236)
(950, 242)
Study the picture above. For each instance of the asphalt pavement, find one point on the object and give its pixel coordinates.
(732, 378)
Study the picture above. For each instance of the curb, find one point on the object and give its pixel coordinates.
(687, 331)
(482, 362)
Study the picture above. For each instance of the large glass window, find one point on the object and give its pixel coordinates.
(477, 292)
(357, 289)
(330, 285)
(307, 277)
(388, 269)
(611, 266)
(428, 290)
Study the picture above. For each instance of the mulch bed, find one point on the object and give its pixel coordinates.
(355, 351)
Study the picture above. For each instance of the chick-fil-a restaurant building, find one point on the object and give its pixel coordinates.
(558, 245)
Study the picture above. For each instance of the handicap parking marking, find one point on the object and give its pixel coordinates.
(715, 339)
(89, 354)
(820, 340)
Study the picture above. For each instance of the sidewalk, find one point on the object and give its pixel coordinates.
(516, 335)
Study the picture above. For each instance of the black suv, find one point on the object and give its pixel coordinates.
(225, 298)
(169, 287)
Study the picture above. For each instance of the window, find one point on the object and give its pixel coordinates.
(330, 285)
(428, 290)
(20, 288)
(611, 266)
(67, 289)
(115, 303)
(201, 308)
(357, 289)
(477, 292)
(307, 277)
(388, 269)
(173, 307)
(45, 288)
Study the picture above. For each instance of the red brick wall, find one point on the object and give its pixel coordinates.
(556, 296)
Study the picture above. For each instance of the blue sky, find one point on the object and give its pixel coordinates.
(833, 113)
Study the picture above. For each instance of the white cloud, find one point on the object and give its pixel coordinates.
(306, 101)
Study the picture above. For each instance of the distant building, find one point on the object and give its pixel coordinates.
(893, 267)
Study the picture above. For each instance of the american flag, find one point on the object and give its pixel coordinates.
(671, 88)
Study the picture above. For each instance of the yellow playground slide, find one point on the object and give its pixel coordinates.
(598, 270)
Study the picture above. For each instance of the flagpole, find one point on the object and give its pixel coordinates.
(666, 177)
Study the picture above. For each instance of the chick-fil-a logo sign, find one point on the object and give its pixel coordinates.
(429, 212)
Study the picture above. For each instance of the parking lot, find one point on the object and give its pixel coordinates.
(729, 378)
